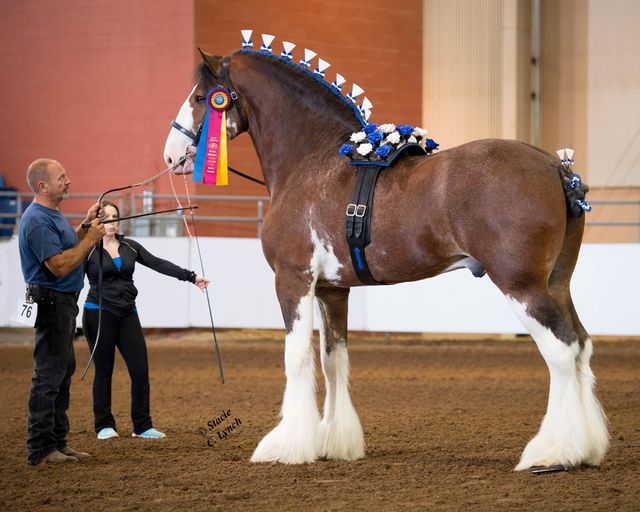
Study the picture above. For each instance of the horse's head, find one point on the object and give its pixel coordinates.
(185, 130)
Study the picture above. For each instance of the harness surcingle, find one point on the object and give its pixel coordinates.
(358, 212)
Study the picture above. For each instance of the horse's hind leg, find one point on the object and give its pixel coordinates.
(573, 431)
(297, 438)
(342, 432)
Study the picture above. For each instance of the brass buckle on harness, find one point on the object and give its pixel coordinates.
(360, 210)
(351, 210)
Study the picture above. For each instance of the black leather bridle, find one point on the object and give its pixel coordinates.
(225, 81)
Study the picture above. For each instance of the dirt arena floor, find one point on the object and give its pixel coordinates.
(444, 422)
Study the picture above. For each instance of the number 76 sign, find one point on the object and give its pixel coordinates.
(25, 313)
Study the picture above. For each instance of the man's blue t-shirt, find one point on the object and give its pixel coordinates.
(43, 233)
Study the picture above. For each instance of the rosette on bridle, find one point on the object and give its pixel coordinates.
(210, 166)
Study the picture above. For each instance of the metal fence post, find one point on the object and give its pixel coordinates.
(260, 217)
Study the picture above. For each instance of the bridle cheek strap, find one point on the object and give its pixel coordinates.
(225, 81)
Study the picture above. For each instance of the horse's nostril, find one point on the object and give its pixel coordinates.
(169, 160)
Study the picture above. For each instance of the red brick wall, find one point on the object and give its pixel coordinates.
(95, 84)
(92, 84)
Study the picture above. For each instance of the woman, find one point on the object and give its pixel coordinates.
(120, 325)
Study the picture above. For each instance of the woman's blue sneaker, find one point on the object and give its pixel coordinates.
(152, 433)
(107, 433)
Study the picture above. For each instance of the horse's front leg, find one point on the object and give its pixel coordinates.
(341, 429)
(297, 438)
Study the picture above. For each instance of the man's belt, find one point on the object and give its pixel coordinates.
(39, 293)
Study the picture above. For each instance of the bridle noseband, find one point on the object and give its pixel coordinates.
(225, 81)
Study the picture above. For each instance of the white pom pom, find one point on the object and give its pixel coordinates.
(358, 137)
(393, 137)
(364, 149)
(387, 128)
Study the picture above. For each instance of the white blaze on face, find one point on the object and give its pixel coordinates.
(177, 142)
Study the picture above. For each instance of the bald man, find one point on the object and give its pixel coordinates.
(51, 255)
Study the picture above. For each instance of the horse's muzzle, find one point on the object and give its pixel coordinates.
(187, 166)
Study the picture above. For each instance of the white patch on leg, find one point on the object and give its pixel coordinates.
(595, 418)
(329, 371)
(565, 436)
(324, 263)
(341, 428)
(297, 438)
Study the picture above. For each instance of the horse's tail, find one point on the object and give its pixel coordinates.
(574, 190)
(560, 278)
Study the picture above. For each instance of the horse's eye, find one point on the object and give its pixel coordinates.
(200, 99)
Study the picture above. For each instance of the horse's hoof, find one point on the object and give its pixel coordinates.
(547, 469)
(288, 446)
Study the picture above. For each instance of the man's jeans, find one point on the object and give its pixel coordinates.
(53, 365)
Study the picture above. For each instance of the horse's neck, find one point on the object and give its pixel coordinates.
(292, 121)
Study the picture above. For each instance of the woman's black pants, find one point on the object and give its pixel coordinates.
(124, 332)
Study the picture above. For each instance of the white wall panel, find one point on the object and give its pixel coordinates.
(242, 292)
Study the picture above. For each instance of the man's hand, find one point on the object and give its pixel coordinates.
(95, 212)
(96, 231)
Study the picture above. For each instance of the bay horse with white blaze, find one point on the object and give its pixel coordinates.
(493, 204)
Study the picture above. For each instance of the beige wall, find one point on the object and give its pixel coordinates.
(477, 83)
(613, 98)
(563, 112)
(476, 69)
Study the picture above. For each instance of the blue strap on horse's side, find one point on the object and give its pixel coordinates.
(358, 226)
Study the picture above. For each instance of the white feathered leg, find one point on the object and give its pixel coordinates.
(573, 431)
(341, 428)
(297, 438)
(594, 416)
(343, 436)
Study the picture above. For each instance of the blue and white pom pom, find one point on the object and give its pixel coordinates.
(356, 90)
(267, 39)
(575, 181)
(337, 83)
(566, 156)
(288, 48)
(308, 55)
(365, 107)
(322, 67)
(584, 204)
(246, 39)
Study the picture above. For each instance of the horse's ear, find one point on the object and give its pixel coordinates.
(213, 62)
